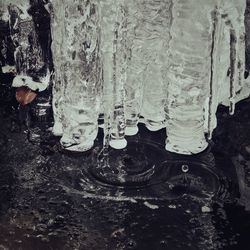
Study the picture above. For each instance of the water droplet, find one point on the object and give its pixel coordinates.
(185, 168)
(131, 244)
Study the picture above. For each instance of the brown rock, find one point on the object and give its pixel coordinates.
(25, 95)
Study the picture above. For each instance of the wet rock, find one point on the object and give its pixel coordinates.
(118, 234)
(151, 206)
(206, 209)
(131, 244)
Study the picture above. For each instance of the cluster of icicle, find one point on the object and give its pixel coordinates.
(164, 63)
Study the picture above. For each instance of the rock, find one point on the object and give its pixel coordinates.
(206, 209)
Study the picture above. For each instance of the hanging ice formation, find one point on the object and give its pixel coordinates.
(188, 75)
(165, 63)
(154, 21)
(57, 27)
(77, 85)
(227, 84)
(31, 69)
(114, 58)
(7, 62)
(208, 58)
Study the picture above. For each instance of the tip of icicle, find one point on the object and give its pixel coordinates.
(131, 131)
(118, 144)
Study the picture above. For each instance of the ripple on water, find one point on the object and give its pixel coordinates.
(194, 178)
(144, 172)
(135, 166)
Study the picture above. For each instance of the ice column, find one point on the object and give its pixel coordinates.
(81, 74)
(188, 75)
(234, 17)
(114, 59)
(228, 59)
(154, 26)
(220, 64)
(57, 30)
(148, 38)
(136, 69)
(32, 70)
(6, 50)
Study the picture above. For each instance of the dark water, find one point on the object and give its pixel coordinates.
(51, 199)
(140, 198)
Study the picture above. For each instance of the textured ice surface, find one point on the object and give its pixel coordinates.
(189, 63)
(170, 62)
(227, 83)
(114, 52)
(31, 67)
(77, 72)
(206, 68)
(153, 32)
(148, 32)
(57, 28)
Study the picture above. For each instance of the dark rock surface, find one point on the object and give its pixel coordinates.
(50, 200)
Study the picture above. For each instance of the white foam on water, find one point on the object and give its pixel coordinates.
(151, 206)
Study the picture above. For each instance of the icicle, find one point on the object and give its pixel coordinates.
(234, 19)
(154, 32)
(106, 60)
(188, 76)
(243, 90)
(114, 69)
(81, 72)
(4, 15)
(136, 70)
(30, 65)
(215, 71)
(57, 31)
(229, 53)
(117, 139)
(233, 75)
(6, 53)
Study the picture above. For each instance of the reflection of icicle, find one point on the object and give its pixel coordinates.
(114, 70)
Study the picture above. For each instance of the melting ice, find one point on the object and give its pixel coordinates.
(168, 64)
